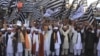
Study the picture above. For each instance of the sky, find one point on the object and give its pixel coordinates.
(88, 2)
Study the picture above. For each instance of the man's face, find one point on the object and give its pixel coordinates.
(46, 28)
(66, 28)
(78, 29)
(9, 31)
(18, 30)
(28, 31)
(90, 29)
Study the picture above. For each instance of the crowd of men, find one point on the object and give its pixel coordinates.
(49, 38)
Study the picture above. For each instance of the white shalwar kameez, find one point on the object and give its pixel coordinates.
(47, 37)
(19, 49)
(10, 45)
(57, 44)
(78, 45)
(98, 46)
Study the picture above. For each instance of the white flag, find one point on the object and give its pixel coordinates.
(78, 13)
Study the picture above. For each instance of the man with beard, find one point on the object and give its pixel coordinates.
(19, 38)
(9, 43)
(65, 31)
(78, 44)
(89, 42)
(28, 42)
(55, 41)
(47, 36)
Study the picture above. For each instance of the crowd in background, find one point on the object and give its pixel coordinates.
(50, 38)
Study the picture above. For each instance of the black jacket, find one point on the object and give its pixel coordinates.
(89, 40)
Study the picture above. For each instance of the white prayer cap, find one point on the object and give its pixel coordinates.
(55, 28)
(36, 29)
(9, 28)
(2, 29)
(19, 23)
(28, 28)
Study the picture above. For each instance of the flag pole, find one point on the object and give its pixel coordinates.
(70, 9)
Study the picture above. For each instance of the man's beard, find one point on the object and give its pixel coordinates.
(64, 30)
(36, 32)
(28, 32)
(9, 32)
(55, 30)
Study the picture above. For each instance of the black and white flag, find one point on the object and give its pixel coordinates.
(78, 13)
